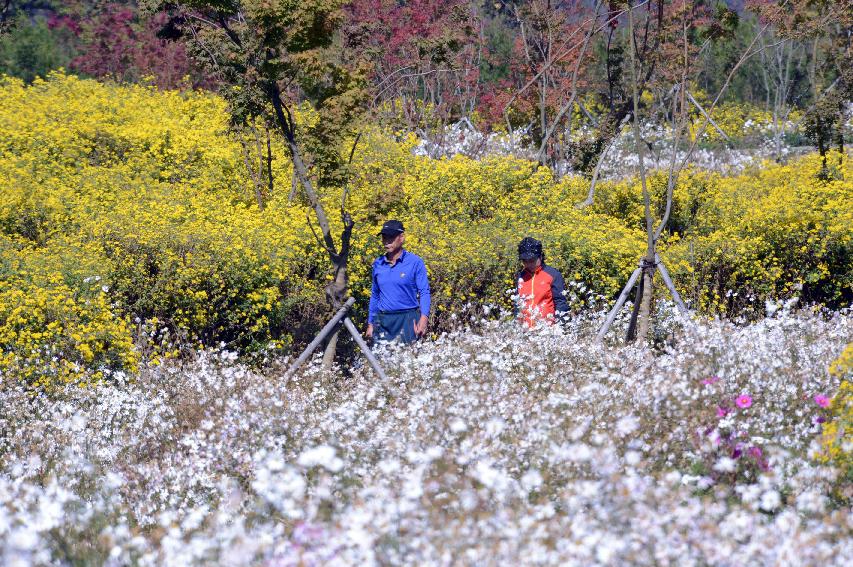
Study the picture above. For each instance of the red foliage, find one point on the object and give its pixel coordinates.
(115, 43)
(421, 49)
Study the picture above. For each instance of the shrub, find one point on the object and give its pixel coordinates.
(51, 335)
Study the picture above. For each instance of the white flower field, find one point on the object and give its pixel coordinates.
(488, 446)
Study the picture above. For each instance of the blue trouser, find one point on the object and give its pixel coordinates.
(397, 324)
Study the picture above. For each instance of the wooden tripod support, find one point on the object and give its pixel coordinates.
(341, 315)
(627, 290)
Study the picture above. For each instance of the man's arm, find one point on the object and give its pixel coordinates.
(425, 297)
(424, 293)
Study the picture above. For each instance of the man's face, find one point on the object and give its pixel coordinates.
(532, 264)
(393, 243)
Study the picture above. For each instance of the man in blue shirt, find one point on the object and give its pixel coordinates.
(400, 296)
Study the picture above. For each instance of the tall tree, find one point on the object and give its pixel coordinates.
(425, 59)
(269, 57)
(828, 26)
(665, 71)
(553, 49)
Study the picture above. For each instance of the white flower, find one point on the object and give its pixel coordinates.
(531, 480)
(23, 539)
(770, 501)
(810, 501)
(389, 466)
(495, 426)
(725, 465)
(490, 476)
(627, 425)
(321, 456)
(458, 425)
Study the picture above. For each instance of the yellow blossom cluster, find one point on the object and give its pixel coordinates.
(739, 121)
(838, 431)
(53, 335)
(129, 222)
(732, 242)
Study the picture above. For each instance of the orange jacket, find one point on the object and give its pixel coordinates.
(541, 295)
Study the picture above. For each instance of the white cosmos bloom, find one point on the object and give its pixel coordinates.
(321, 456)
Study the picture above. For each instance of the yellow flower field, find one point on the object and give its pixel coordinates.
(129, 230)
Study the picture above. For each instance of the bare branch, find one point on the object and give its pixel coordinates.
(595, 174)
(672, 177)
(744, 57)
(346, 183)
(587, 113)
(556, 59)
(197, 39)
(232, 35)
(706, 115)
(331, 251)
(409, 76)
(637, 139)
(574, 89)
(269, 163)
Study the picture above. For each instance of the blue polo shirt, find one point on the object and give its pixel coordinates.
(401, 286)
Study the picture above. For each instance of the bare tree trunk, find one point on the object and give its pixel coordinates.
(644, 320)
(336, 291)
(270, 179)
(331, 350)
(248, 159)
(644, 317)
(337, 288)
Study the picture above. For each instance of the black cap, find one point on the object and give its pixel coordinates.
(529, 248)
(392, 228)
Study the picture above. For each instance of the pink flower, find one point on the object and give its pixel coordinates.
(821, 400)
(722, 412)
(755, 453)
(737, 451)
(711, 380)
(743, 401)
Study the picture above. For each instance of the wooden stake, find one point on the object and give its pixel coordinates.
(330, 326)
(364, 348)
(619, 303)
(666, 279)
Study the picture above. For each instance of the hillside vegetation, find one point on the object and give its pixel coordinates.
(131, 231)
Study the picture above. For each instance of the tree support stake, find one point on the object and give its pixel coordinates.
(659, 265)
(341, 315)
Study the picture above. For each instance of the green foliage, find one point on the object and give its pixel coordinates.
(254, 47)
(30, 50)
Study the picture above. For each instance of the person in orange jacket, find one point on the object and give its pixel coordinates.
(541, 288)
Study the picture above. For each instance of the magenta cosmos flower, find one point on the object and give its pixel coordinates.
(821, 400)
(743, 401)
